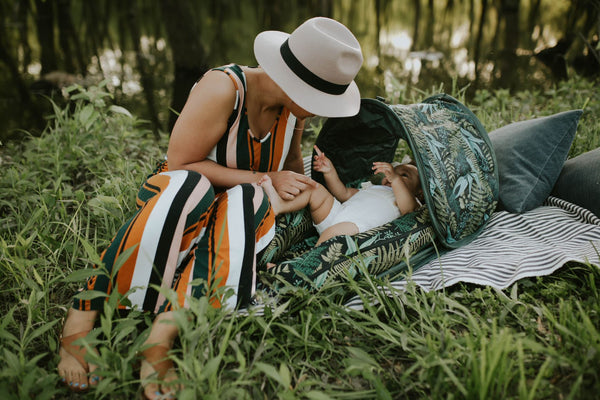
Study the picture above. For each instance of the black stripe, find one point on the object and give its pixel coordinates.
(222, 147)
(246, 275)
(166, 238)
(306, 75)
(241, 156)
(266, 157)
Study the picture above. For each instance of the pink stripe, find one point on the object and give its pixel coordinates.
(171, 266)
(233, 132)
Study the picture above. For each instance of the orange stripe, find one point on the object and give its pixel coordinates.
(219, 255)
(266, 224)
(277, 147)
(183, 282)
(135, 235)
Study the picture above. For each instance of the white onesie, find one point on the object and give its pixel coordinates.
(370, 207)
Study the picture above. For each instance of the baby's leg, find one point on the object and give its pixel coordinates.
(341, 228)
(317, 197)
(279, 205)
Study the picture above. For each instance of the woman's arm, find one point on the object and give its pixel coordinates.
(291, 181)
(201, 124)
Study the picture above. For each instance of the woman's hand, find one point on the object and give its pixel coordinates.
(289, 184)
(321, 162)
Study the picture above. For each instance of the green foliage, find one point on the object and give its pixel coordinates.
(65, 193)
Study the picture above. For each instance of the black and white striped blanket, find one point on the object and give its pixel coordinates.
(512, 247)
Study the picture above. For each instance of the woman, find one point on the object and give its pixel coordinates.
(202, 214)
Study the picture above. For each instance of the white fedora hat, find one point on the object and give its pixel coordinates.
(315, 65)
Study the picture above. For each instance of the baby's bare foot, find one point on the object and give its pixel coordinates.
(276, 201)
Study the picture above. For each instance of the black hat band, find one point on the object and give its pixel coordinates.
(306, 75)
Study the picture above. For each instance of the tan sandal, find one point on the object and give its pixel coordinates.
(158, 359)
(77, 352)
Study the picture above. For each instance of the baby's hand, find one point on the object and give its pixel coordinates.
(387, 169)
(321, 162)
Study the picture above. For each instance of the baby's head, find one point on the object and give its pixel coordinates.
(409, 173)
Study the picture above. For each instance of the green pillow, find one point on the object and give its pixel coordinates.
(579, 181)
(530, 155)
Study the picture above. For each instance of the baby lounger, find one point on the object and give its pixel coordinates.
(458, 173)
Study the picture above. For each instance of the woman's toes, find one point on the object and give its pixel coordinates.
(152, 391)
(93, 380)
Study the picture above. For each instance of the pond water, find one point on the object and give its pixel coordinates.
(405, 47)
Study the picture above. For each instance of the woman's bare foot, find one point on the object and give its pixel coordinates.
(76, 373)
(276, 201)
(157, 373)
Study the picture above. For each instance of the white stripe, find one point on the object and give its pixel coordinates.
(265, 240)
(289, 135)
(151, 236)
(237, 240)
(174, 257)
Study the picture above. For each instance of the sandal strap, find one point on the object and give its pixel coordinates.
(157, 357)
(78, 352)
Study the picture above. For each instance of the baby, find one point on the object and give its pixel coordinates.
(347, 211)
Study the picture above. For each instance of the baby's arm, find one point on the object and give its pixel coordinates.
(332, 180)
(405, 199)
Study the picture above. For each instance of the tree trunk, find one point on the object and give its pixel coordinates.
(34, 117)
(477, 51)
(534, 13)
(189, 55)
(508, 60)
(415, 35)
(378, 32)
(146, 78)
(71, 34)
(65, 34)
(326, 8)
(429, 31)
(93, 36)
(45, 32)
(23, 10)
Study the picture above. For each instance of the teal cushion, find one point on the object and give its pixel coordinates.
(530, 155)
(579, 181)
(381, 250)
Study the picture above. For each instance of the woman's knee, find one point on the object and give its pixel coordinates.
(185, 183)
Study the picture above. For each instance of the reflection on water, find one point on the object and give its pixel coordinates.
(442, 47)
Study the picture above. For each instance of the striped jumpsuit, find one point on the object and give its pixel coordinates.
(184, 233)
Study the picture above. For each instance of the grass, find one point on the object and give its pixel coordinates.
(65, 193)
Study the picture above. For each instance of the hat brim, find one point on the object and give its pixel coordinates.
(267, 53)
